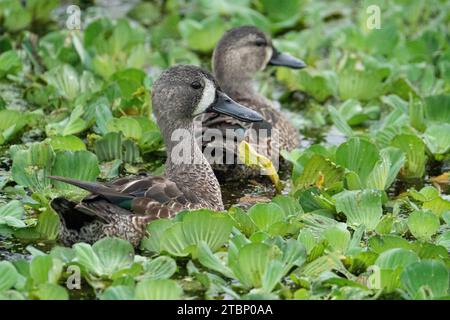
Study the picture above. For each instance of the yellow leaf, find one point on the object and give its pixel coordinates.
(249, 156)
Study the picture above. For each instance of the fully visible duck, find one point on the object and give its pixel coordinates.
(238, 56)
(123, 207)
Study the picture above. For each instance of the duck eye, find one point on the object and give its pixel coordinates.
(260, 43)
(196, 85)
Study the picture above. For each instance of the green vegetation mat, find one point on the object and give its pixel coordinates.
(367, 214)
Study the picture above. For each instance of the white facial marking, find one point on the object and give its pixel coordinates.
(269, 52)
(208, 96)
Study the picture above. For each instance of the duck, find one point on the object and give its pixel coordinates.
(123, 207)
(239, 55)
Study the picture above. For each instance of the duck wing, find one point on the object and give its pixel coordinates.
(140, 195)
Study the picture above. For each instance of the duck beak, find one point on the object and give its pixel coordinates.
(225, 105)
(285, 60)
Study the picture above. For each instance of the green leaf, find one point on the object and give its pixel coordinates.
(51, 291)
(106, 256)
(45, 269)
(127, 125)
(82, 165)
(379, 244)
(437, 205)
(290, 205)
(319, 84)
(320, 265)
(208, 259)
(396, 258)
(319, 170)
(387, 280)
(361, 82)
(48, 225)
(161, 267)
(63, 253)
(318, 223)
(109, 147)
(423, 224)
(102, 115)
(313, 199)
(118, 293)
(155, 229)
(354, 114)
(340, 122)
(414, 150)
(71, 125)
(289, 10)
(41, 10)
(294, 254)
(444, 240)
(202, 35)
(360, 207)
(425, 194)
(307, 239)
(12, 123)
(265, 215)
(112, 147)
(417, 115)
(338, 239)
(129, 80)
(10, 63)
(389, 266)
(385, 225)
(253, 261)
(437, 109)
(65, 79)
(358, 155)
(70, 142)
(12, 214)
(162, 289)
(8, 275)
(272, 275)
(436, 138)
(427, 250)
(386, 169)
(205, 225)
(32, 166)
(173, 240)
(242, 221)
(428, 279)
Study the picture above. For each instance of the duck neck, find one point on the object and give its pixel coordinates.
(236, 81)
(187, 166)
(237, 87)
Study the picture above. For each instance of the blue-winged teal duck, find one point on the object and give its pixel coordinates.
(238, 56)
(123, 207)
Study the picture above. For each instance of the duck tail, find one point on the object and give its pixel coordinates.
(96, 188)
(93, 187)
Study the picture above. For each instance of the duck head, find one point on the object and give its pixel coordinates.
(243, 51)
(183, 92)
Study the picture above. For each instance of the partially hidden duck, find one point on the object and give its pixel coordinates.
(238, 56)
(123, 207)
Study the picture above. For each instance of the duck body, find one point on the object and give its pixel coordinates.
(239, 55)
(141, 199)
(125, 206)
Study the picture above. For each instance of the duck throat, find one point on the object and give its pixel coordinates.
(187, 166)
